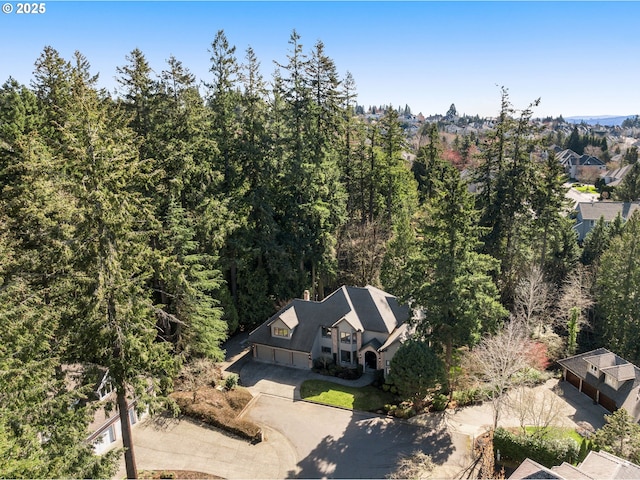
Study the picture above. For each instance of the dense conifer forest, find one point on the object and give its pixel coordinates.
(141, 228)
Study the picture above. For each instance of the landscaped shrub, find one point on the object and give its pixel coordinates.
(231, 381)
(470, 396)
(440, 402)
(517, 447)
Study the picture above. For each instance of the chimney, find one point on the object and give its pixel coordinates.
(306, 296)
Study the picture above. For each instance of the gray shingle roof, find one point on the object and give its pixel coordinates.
(365, 308)
(603, 465)
(578, 364)
(608, 210)
(596, 466)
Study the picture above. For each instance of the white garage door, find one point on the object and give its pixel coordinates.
(283, 356)
(264, 353)
(301, 360)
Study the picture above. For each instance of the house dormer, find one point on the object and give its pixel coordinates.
(616, 375)
(284, 325)
(616, 370)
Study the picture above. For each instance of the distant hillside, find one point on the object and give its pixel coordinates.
(611, 120)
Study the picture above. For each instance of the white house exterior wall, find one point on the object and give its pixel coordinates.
(345, 327)
(106, 437)
(387, 355)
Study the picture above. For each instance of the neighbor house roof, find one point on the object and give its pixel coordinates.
(610, 364)
(608, 210)
(596, 466)
(365, 308)
(614, 177)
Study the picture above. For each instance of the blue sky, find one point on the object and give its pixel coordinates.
(581, 58)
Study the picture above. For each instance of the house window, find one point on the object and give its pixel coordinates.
(345, 337)
(133, 417)
(326, 350)
(326, 332)
(280, 332)
(345, 356)
(593, 369)
(106, 389)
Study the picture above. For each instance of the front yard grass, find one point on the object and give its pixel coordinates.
(367, 398)
(586, 189)
(557, 433)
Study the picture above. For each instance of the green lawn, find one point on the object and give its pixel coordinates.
(363, 398)
(586, 189)
(558, 432)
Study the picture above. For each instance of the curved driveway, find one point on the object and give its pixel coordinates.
(302, 439)
(338, 443)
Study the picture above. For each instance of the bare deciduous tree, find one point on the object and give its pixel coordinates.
(532, 300)
(537, 409)
(497, 360)
(418, 465)
(574, 304)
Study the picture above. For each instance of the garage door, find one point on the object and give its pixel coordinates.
(573, 379)
(300, 360)
(264, 353)
(283, 356)
(607, 402)
(588, 390)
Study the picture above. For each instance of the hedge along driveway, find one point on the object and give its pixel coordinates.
(366, 398)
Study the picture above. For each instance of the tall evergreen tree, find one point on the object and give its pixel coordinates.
(451, 281)
(115, 323)
(618, 293)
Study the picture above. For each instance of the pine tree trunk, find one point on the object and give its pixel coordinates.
(127, 439)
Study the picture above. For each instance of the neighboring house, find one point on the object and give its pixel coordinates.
(613, 178)
(606, 378)
(588, 214)
(596, 466)
(105, 427)
(580, 167)
(352, 326)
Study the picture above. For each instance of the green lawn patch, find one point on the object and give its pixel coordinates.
(557, 433)
(355, 398)
(586, 189)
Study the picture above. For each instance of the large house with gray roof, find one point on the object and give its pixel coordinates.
(606, 378)
(588, 214)
(352, 326)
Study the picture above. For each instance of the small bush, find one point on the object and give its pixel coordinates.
(231, 381)
(440, 402)
(466, 397)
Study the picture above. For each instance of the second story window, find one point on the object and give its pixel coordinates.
(280, 332)
(345, 337)
(326, 332)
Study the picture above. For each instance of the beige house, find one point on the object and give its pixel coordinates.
(352, 326)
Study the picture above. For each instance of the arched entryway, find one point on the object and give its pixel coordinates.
(371, 360)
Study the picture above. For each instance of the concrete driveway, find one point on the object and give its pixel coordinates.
(307, 440)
